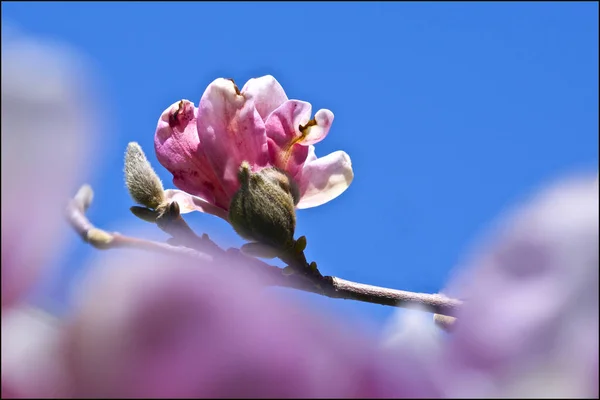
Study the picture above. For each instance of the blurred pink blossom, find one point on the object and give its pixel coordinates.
(46, 135)
(43, 117)
(204, 147)
(529, 327)
(172, 329)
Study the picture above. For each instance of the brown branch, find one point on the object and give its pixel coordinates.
(199, 246)
(110, 240)
(436, 303)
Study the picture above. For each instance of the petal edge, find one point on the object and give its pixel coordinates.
(188, 203)
(324, 179)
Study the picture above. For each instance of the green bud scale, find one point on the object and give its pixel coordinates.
(263, 208)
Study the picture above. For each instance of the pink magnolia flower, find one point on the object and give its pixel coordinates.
(204, 147)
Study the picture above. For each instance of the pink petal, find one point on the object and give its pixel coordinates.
(290, 130)
(311, 155)
(267, 94)
(188, 203)
(47, 133)
(283, 135)
(178, 149)
(324, 179)
(231, 131)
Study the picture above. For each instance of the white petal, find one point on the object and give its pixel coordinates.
(188, 203)
(316, 133)
(325, 178)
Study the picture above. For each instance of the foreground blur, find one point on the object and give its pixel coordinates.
(148, 326)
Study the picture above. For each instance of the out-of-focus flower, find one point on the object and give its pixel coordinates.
(529, 324)
(44, 118)
(204, 147)
(33, 358)
(528, 328)
(177, 330)
(45, 137)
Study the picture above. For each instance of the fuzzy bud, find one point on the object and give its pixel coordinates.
(263, 209)
(142, 182)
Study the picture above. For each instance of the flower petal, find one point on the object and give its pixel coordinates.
(230, 131)
(283, 125)
(188, 203)
(283, 135)
(178, 149)
(311, 155)
(315, 133)
(267, 94)
(324, 179)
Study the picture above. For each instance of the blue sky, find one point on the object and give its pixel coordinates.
(451, 113)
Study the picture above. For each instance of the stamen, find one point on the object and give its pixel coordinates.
(174, 116)
(287, 151)
(235, 87)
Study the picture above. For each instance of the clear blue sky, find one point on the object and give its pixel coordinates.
(450, 112)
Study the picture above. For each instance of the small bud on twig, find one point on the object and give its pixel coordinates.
(255, 249)
(144, 213)
(142, 182)
(444, 321)
(300, 244)
(84, 196)
(99, 239)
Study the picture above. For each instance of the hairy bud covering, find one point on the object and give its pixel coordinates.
(262, 210)
(142, 182)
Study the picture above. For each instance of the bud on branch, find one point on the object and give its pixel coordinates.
(263, 209)
(143, 183)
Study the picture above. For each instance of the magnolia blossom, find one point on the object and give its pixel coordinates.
(204, 147)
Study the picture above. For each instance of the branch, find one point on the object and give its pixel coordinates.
(101, 239)
(175, 225)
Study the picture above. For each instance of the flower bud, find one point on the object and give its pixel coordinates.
(142, 182)
(263, 208)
